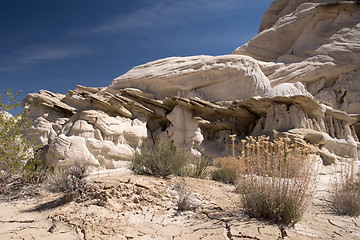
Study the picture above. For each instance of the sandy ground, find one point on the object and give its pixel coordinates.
(140, 207)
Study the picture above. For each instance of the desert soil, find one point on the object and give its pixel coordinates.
(139, 207)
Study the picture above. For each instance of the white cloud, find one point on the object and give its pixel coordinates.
(39, 53)
(162, 13)
(46, 52)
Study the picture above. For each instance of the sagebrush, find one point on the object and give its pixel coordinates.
(225, 175)
(277, 179)
(161, 160)
(70, 179)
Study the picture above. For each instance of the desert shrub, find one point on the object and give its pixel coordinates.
(18, 163)
(277, 179)
(69, 179)
(161, 160)
(198, 170)
(228, 169)
(346, 191)
(13, 146)
(201, 168)
(225, 175)
(184, 202)
(230, 162)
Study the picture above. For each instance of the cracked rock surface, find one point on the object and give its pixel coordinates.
(139, 207)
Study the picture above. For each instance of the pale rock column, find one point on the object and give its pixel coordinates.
(184, 130)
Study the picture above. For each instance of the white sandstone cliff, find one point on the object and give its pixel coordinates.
(300, 76)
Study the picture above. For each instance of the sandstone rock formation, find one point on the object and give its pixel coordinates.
(217, 78)
(314, 42)
(299, 75)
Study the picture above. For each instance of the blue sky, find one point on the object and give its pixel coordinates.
(55, 45)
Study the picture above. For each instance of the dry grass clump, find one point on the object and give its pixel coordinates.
(161, 160)
(277, 179)
(228, 162)
(198, 170)
(346, 191)
(22, 178)
(228, 169)
(184, 202)
(70, 180)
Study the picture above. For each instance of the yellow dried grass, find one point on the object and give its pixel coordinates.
(346, 190)
(277, 178)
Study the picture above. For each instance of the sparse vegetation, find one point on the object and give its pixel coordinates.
(277, 179)
(225, 175)
(161, 160)
(228, 162)
(198, 170)
(69, 180)
(228, 168)
(19, 166)
(346, 191)
(184, 202)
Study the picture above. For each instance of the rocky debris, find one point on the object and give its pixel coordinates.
(140, 207)
(299, 75)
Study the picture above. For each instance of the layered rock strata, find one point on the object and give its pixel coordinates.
(299, 75)
(104, 135)
(314, 42)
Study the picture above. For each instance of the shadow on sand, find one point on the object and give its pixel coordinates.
(60, 201)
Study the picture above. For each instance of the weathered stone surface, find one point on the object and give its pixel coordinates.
(328, 147)
(100, 137)
(315, 42)
(105, 137)
(216, 78)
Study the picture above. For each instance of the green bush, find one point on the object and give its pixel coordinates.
(161, 160)
(18, 163)
(280, 205)
(225, 175)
